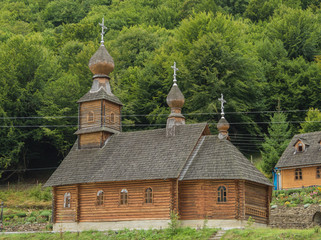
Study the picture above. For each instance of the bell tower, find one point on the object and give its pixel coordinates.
(99, 114)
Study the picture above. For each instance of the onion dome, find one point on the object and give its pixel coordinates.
(101, 63)
(223, 125)
(175, 98)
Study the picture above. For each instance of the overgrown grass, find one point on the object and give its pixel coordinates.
(35, 196)
(271, 234)
(26, 205)
(181, 234)
(293, 197)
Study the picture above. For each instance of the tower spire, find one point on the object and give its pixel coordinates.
(222, 104)
(103, 27)
(175, 100)
(174, 75)
(223, 124)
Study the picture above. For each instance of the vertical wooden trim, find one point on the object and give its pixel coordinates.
(268, 201)
(120, 119)
(237, 199)
(176, 197)
(243, 200)
(79, 119)
(54, 202)
(101, 113)
(77, 207)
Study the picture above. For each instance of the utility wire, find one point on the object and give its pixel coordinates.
(154, 115)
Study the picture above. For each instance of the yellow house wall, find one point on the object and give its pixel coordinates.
(309, 177)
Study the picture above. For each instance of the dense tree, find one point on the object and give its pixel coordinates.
(276, 141)
(255, 52)
(312, 122)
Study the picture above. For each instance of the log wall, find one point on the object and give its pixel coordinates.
(87, 209)
(309, 178)
(257, 201)
(198, 200)
(62, 214)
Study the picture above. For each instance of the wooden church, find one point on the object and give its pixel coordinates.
(113, 180)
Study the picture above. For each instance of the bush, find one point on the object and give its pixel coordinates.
(31, 219)
(46, 214)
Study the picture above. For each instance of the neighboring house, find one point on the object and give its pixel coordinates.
(300, 164)
(112, 179)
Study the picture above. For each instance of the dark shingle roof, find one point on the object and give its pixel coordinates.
(150, 154)
(311, 156)
(100, 94)
(130, 156)
(220, 159)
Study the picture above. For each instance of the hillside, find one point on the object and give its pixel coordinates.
(257, 53)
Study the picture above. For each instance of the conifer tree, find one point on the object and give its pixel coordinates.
(275, 142)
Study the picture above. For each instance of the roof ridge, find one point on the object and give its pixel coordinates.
(191, 157)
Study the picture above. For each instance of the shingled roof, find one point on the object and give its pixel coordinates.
(220, 159)
(136, 155)
(150, 154)
(311, 155)
(98, 95)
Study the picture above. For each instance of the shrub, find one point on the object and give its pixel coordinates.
(31, 219)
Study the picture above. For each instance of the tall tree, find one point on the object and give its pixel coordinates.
(312, 121)
(276, 141)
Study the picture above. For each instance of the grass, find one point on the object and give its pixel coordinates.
(271, 234)
(26, 205)
(181, 234)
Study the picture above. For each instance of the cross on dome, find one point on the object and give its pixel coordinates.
(103, 27)
(222, 104)
(175, 69)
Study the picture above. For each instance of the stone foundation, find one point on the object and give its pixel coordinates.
(148, 224)
(295, 217)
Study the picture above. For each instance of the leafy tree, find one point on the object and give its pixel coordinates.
(298, 30)
(261, 10)
(275, 141)
(312, 121)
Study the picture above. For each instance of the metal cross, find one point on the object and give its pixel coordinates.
(175, 69)
(103, 27)
(222, 104)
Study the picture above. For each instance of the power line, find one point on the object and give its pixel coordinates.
(156, 124)
(153, 115)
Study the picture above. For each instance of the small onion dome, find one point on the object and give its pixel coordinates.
(101, 63)
(175, 98)
(223, 125)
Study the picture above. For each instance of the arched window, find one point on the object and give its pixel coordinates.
(221, 194)
(298, 174)
(67, 200)
(148, 195)
(112, 117)
(318, 172)
(100, 197)
(90, 116)
(123, 197)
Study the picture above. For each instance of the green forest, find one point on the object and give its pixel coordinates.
(263, 55)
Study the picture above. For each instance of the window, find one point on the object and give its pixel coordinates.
(90, 116)
(100, 197)
(148, 195)
(298, 174)
(221, 194)
(112, 117)
(67, 200)
(318, 172)
(300, 147)
(123, 197)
